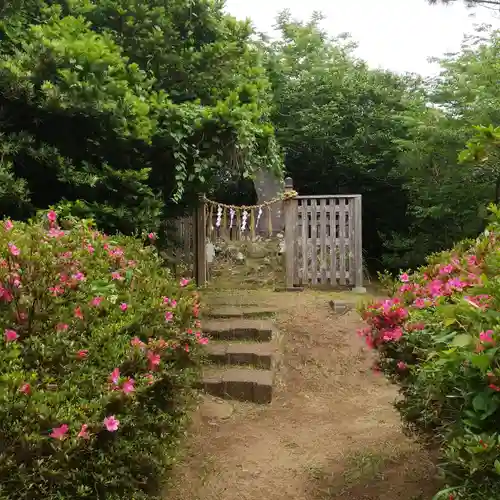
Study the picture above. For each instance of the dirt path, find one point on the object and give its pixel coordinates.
(330, 432)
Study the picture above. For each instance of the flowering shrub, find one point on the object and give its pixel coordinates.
(97, 360)
(438, 338)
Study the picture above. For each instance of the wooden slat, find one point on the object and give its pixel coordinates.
(342, 231)
(358, 244)
(322, 240)
(303, 244)
(313, 246)
(333, 243)
(350, 246)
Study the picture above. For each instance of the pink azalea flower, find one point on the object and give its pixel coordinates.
(420, 303)
(486, 336)
(78, 312)
(79, 276)
(10, 335)
(90, 248)
(8, 225)
(59, 432)
(203, 340)
(111, 423)
(96, 301)
(128, 386)
(166, 300)
(173, 303)
(82, 353)
(123, 306)
(472, 260)
(117, 276)
(184, 282)
(56, 290)
(186, 348)
(62, 327)
(168, 316)
(154, 360)
(149, 378)
(152, 236)
(25, 389)
(137, 342)
(114, 377)
(446, 269)
(402, 365)
(84, 432)
(52, 216)
(13, 249)
(404, 278)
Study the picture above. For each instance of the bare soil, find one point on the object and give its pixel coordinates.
(330, 433)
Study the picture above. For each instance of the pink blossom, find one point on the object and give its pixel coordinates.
(154, 359)
(152, 236)
(149, 378)
(55, 233)
(56, 290)
(486, 336)
(61, 327)
(8, 225)
(137, 342)
(84, 432)
(392, 334)
(117, 276)
(90, 249)
(111, 423)
(168, 316)
(25, 389)
(52, 216)
(13, 249)
(123, 306)
(78, 312)
(131, 263)
(420, 303)
(10, 335)
(184, 282)
(404, 278)
(203, 340)
(447, 269)
(79, 276)
(402, 365)
(128, 386)
(82, 353)
(96, 301)
(472, 260)
(114, 377)
(59, 432)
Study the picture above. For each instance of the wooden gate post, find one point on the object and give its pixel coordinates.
(200, 261)
(290, 216)
(358, 246)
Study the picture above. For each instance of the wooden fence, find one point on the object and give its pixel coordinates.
(323, 238)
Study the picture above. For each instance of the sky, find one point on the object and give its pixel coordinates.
(399, 35)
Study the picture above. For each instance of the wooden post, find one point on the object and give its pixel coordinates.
(290, 216)
(200, 242)
(358, 246)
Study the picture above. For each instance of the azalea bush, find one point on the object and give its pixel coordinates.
(99, 353)
(438, 338)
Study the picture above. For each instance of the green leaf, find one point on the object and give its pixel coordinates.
(449, 321)
(462, 340)
(480, 361)
(497, 467)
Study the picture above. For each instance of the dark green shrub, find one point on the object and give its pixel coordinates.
(97, 360)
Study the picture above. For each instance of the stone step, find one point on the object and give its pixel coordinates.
(230, 312)
(259, 354)
(259, 330)
(241, 384)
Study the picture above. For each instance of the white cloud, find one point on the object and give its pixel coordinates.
(394, 34)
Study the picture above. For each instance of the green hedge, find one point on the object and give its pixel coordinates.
(99, 353)
(438, 338)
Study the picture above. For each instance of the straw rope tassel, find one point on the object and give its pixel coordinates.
(238, 220)
(269, 221)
